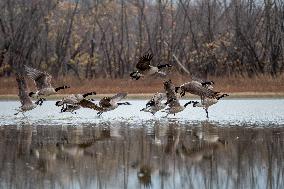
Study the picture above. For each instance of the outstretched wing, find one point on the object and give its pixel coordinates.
(205, 83)
(42, 79)
(196, 88)
(23, 94)
(118, 97)
(144, 62)
(170, 93)
(158, 97)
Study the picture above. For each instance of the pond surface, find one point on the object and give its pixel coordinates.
(265, 112)
(240, 146)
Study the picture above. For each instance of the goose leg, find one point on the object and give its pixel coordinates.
(37, 102)
(41, 101)
(207, 116)
(24, 115)
(99, 114)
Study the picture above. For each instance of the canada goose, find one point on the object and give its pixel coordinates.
(207, 102)
(172, 101)
(105, 104)
(111, 103)
(201, 89)
(155, 104)
(144, 68)
(74, 98)
(43, 84)
(25, 100)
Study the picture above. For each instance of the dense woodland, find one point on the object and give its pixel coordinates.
(97, 38)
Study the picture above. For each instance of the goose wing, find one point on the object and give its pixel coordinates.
(105, 102)
(157, 98)
(42, 79)
(144, 62)
(71, 99)
(88, 104)
(205, 83)
(196, 88)
(23, 94)
(118, 97)
(170, 94)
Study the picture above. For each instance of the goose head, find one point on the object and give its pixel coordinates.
(33, 94)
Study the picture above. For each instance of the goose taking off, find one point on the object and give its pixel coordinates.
(43, 84)
(172, 101)
(25, 100)
(73, 99)
(197, 88)
(207, 102)
(105, 104)
(144, 68)
(155, 104)
(111, 103)
(71, 102)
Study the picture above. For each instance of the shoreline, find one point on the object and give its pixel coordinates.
(236, 95)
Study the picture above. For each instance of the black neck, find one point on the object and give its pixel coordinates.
(163, 66)
(207, 83)
(123, 103)
(87, 94)
(223, 95)
(60, 88)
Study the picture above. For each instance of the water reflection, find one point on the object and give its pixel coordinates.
(175, 155)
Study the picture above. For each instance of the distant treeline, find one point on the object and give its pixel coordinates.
(97, 38)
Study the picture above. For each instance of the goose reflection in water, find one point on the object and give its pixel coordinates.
(160, 155)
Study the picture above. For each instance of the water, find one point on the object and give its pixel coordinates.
(240, 146)
(266, 112)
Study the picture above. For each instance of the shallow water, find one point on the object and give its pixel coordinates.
(267, 112)
(240, 146)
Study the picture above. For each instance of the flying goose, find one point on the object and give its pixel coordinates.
(74, 98)
(207, 102)
(105, 104)
(111, 103)
(197, 88)
(155, 103)
(144, 68)
(172, 101)
(43, 84)
(25, 100)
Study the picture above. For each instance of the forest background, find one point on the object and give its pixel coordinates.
(95, 44)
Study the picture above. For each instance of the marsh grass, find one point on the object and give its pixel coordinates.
(260, 84)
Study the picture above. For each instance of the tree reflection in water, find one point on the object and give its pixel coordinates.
(152, 155)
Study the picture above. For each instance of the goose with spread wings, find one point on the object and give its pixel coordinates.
(172, 100)
(71, 103)
(25, 100)
(43, 84)
(155, 103)
(111, 103)
(207, 102)
(105, 104)
(202, 89)
(144, 67)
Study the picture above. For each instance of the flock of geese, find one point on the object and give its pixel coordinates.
(166, 101)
